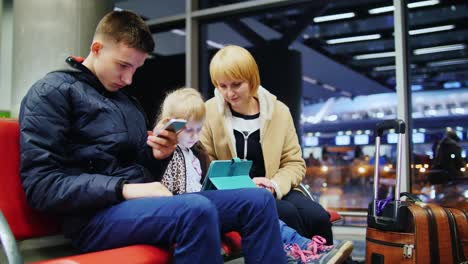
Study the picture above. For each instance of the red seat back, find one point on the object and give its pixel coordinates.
(23, 220)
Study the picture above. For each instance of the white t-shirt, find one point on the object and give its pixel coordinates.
(192, 170)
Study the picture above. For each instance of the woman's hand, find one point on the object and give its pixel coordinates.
(264, 182)
(140, 190)
(164, 143)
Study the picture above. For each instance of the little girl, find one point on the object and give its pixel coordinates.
(188, 166)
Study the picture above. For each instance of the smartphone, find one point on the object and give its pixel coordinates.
(174, 125)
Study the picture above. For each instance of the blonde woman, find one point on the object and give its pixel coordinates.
(245, 120)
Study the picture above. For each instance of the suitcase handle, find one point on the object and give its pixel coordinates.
(399, 126)
(410, 197)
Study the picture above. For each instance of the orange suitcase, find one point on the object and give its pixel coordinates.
(411, 231)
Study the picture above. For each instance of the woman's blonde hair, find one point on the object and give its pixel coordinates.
(235, 63)
(183, 103)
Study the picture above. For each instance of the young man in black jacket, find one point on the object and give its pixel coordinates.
(86, 156)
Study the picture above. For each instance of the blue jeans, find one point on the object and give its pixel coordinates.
(290, 236)
(193, 223)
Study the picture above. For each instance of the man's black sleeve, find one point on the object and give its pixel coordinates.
(45, 122)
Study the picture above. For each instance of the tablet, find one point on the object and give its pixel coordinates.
(228, 174)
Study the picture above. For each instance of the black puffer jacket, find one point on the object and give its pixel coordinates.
(78, 143)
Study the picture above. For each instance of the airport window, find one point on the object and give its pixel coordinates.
(438, 54)
(163, 71)
(343, 56)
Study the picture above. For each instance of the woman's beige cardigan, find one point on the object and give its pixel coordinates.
(281, 150)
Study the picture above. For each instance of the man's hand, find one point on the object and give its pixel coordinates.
(163, 144)
(140, 190)
(264, 182)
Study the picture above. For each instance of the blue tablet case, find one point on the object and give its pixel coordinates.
(228, 174)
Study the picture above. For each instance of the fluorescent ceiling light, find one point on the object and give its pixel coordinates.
(353, 39)
(416, 87)
(179, 32)
(329, 87)
(431, 29)
(347, 94)
(385, 68)
(390, 67)
(447, 62)
(214, 44)
(423, 3)
(385, 9)
(333, 17)
(452, 85)
(379, 10)
(439, 49)
(374, 55)
(307, 79)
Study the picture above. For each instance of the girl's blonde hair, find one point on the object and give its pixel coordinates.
(183, 103)
(235, 63)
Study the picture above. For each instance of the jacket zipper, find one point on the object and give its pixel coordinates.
(246, 138)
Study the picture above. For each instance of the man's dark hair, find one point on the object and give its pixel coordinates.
(126, 27)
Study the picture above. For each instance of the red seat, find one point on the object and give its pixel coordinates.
(334, 216)
(231, 243)
(27, 223)
(142, 254)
